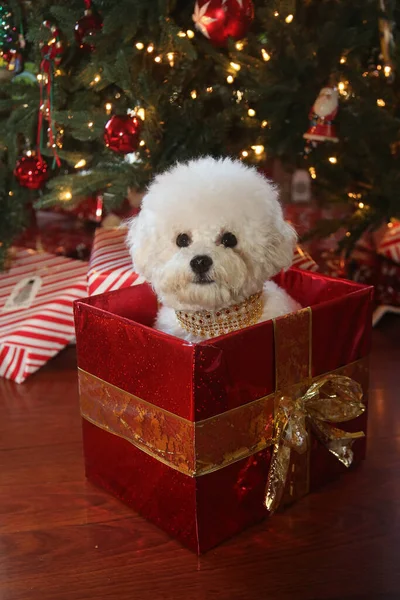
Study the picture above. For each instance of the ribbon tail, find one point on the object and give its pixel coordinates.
(337, 441)
(277, 476)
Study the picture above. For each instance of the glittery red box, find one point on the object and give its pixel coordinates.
(149, 400)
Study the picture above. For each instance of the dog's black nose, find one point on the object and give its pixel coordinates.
(201, 264)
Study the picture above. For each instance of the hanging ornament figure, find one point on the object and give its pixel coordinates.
(301, 186)
(218, 20)
(322, 115)
(87, 26)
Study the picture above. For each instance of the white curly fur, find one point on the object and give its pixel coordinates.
(205, 198)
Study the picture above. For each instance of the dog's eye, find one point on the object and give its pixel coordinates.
(229, 240)
(183, 240)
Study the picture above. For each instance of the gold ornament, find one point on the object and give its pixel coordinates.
(211, 324)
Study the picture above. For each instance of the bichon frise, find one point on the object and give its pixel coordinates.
(209, 237)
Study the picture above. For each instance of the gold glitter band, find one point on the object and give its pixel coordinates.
(211, 324)
(197, 448)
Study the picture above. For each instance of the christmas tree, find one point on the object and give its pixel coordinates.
(125, 89)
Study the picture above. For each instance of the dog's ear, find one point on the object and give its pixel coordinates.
(132, 240)
(280, 243)
(288, 244)
(138, 241)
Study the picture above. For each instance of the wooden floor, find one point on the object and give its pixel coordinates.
(61, 538)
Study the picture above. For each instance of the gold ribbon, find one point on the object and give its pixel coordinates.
(330, 399)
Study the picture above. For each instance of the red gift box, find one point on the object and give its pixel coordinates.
(184, 432)
(110, 266)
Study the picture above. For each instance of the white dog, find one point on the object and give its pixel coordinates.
(209, 236)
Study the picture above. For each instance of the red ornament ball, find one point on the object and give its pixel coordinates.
(87, 26)
(31, 172)
(122, 134)
(218, 20)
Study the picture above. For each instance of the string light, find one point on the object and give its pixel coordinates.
(343, 88)
(181, 34)
(209, 89)
(289, 18)
(108, 107)
(39, 77)
(361, 205)
(150, 48)
(142, 143)
(170, 57)
(193, 94)
(265, 55)
(10, 193)
(390, 224)
(66, 196)
(312, 172)
(239, 45)
(235, 66)
(141, 113)
(139, 45)
(251, 112)
(29, 153)
(117, 96)
(230, 79)
(387, 70)
(348, 234)
(276, 14)
(353, 195)
(97, 79)
(81, 163)
(157, 59)
(381, 102)
(379, 67)
(90, 124)
(190, 33)
(239, 96)
(258, 149)
(332, 160)
(245, 153)
(264, 124)
(343, 60)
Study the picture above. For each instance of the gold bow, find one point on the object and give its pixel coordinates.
(331, 399)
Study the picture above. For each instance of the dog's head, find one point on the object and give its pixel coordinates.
(209, 234)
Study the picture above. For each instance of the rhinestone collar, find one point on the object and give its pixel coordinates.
(211, 324)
